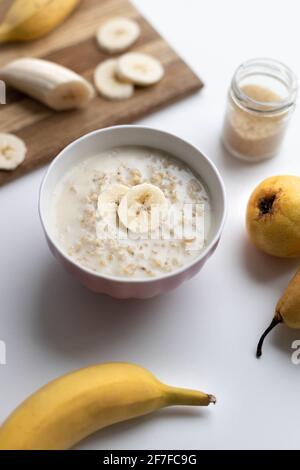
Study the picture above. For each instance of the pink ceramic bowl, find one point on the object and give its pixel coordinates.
(133, 135)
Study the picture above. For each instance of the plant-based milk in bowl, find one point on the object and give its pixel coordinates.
(132, 211)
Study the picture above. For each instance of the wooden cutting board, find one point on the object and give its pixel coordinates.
(73, 44)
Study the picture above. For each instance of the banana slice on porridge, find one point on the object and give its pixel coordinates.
(142, 208)
(110, 199)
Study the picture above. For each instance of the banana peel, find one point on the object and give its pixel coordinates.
(26, 20)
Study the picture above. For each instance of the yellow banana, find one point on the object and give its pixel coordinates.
(76, 405)
(32, 19)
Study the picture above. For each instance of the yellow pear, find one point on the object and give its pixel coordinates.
(273, 216)
(287, 310)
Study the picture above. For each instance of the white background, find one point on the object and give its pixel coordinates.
(203, 334)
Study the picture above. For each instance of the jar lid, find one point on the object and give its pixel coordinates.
(265, 86)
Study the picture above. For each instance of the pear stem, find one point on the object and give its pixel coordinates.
(274, 322)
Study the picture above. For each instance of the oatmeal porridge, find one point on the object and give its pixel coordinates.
(131, 212)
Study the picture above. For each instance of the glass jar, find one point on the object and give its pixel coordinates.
(261, 100)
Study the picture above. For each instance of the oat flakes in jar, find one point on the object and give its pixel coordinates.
(261, 101)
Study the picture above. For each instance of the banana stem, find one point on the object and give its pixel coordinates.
(181, 396)
(274, 322)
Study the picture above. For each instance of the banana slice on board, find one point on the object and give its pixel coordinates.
(118, 34)
(12, 151)
(108, 85)
(142, 207)
(54, 85)
(140, 69)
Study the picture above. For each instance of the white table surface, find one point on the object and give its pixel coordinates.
(203, 334)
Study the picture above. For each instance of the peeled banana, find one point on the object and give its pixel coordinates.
(52, 84)
(32, 19)
(76, 405)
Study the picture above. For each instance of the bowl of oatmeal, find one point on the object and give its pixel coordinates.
(132, 211)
